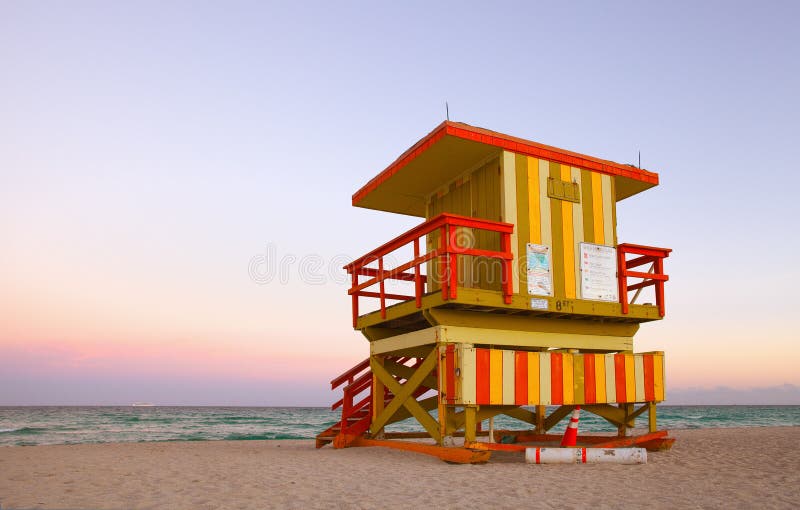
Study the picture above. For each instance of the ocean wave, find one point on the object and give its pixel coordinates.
(260, 437)
(24, 430)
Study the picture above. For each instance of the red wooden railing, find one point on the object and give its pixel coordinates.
(655, 276)
(356, 412)
(447, 252)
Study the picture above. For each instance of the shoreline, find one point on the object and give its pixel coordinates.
(709, 467)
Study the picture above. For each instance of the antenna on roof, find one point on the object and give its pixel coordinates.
(640, 160)
(447, 110)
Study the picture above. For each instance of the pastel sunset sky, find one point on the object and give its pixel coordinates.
(149, 151)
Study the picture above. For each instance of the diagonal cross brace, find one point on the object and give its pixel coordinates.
(403, 392)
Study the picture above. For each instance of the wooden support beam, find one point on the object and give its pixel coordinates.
(614, 415)
(556, 416)
(651, 417)
(635, 414)
(404, 395)
(378, 391)
(457, 420)
(540, 412)
(619, 442)
(470, 423)
(428, 404)
(622, 428)
(405, 372)
(522, 414)
(455, 455)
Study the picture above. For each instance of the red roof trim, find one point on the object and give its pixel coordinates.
(509, 143)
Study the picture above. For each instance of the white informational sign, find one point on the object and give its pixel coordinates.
(599, 272)
(540, 304)
(540, 280)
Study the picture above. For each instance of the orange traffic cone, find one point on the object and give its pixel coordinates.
(571, 434)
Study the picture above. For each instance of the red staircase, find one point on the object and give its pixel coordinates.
(356, 403)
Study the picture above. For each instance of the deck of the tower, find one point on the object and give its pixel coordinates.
(406, 316)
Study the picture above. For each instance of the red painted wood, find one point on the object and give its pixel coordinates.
(619, 377)
(556, 378)
(521, 378)
(649, 378)
(482, 376)
(450, 373)
(589, 391)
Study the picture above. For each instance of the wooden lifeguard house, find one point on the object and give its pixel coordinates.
(512, 295)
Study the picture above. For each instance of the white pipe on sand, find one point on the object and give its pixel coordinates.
(586, 456)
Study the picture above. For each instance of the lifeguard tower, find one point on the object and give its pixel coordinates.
(512, 295)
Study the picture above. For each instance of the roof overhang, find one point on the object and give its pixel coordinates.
(453, 148)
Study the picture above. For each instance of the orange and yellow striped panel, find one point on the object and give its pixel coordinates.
(507, 377)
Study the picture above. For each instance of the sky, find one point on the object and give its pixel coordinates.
(151, 151)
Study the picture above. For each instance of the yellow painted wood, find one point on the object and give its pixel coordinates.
(377, 389)
(638, 371)
(403, 395)
(608, 199)
(630, 378)
(534, 214)
(587, 206)
(457, 379)
(523, 220)
(568, 239)
(557, 231)
(597, 207)
(494, 299)
(545, 391)
(508, 377)
(658, 376)
(614, 209)
(599, 377)
(470, 423)
(517, 322)
(511, 338)
(467, 377)
(404, 341)
(578, 378)
(441, 404)
(651, 417)
(533, 378)
(568, 377)
(544, 204)
(611, 382)
(495, 377)
(509, 205)
(577, 232)
(487, 188)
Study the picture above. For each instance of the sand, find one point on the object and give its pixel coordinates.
(707, 468)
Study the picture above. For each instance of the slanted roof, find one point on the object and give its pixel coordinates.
(453, 147)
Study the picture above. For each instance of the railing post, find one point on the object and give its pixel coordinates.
(417, 276)
(354, 282)
(442, 272)
(382, 287)
(347, 405)
(622, 279)
(452, 263)
(659, 269)
(507, 272)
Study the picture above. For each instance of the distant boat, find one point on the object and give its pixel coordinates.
(141, 404)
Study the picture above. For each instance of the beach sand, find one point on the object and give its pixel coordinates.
(707, 468)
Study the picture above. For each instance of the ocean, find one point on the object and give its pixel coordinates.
(23, 426)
